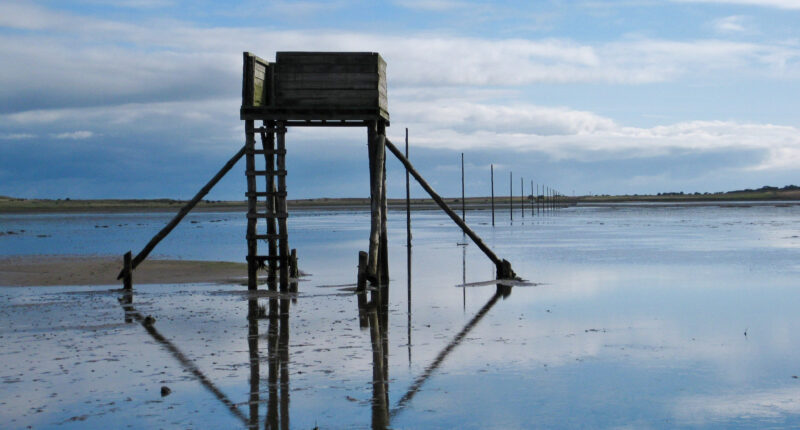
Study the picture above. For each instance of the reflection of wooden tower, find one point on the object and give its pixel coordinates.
(310, 89)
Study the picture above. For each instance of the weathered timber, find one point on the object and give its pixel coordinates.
(315, 86)
(503, 267)
(252, 222)
(256, 81)
(280, 207)
(184, 210)
(384, 248)
(376, 164)
(294, 272)
(268, 147)
(361, 283)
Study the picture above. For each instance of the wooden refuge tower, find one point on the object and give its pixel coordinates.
(309, 89)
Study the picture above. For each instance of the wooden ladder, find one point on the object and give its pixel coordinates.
(269, 205)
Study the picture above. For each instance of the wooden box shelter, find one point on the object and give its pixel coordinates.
(315, 86)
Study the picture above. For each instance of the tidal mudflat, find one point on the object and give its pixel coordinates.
(646, 316)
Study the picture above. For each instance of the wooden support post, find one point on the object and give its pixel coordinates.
(503, 267)
(252, 242)
(377, 153)
(184, 210)
(384, 248)
(361, 283)
(294, 272)
(491, 167)
(127, 277)
(283, 246)
(268, 144)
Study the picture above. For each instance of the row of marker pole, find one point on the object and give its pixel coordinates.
(550, 199)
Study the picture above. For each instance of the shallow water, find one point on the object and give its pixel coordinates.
(636, 317)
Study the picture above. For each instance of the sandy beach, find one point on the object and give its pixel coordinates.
(51, 270)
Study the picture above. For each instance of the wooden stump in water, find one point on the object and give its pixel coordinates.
(362, 271)
(127, 276)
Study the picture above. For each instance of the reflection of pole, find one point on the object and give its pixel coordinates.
(502, 291)
(380, 415)
(283, 354)
(272, 422)
(147, 323)
(252, 345)
(464, 276)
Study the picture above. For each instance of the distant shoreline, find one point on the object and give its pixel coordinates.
(9, 205)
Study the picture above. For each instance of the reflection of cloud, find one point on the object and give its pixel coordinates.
(714, 408)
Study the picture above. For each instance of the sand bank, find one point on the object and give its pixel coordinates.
(50, 270)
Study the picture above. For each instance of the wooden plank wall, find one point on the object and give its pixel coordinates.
(330, 80)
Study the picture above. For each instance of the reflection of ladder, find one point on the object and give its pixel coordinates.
(273, 203)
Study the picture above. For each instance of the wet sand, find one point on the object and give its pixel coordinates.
(51, 270)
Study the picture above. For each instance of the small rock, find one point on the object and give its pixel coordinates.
(165, 391)
(149, 320)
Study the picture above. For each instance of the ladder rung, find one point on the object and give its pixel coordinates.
(265, 172)
(274, 236)
(267, 151)
(267, 215)
(266, 194)
(263, 129)
(266, 257)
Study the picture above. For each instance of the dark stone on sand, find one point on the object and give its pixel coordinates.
(165, 391)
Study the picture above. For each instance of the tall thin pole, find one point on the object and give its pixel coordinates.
(408, 251)
(522, 196)
(463, 205)
(532, 197)
(492, 174)
(511, 195)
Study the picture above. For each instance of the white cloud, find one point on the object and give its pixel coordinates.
(17, 136)
(780, 4)
(431, 5)
(579, 135)
(74, 135)
(730, 24)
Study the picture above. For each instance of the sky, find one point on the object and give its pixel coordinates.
(140, 98)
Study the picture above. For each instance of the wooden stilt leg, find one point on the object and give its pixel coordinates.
(384, 241)
(268, 144)
(252, 243)
(375, 203)
(282, 210)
